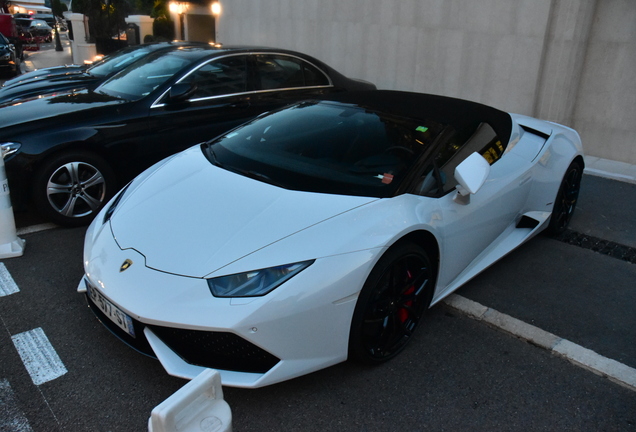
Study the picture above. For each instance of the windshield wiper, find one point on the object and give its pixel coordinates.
(256, 176)
(211, 156)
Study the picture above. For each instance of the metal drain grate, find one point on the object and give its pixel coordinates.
(605, 247)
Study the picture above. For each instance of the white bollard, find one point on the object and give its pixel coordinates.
(10, 244)
(196, 407)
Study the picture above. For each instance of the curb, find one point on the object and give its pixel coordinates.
(36, 228)
(610, 175)
(27, 66)
(576, 354)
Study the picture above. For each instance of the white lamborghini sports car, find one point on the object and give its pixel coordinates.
(321, 232)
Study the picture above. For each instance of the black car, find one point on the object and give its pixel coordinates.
(35, 30)
(58, 78)
(47, 18)
(9, 61)
(70, 152)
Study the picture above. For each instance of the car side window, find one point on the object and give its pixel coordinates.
(227, 75)
(280, 71)
(456, 147)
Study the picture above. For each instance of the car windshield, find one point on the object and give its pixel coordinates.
(118, 61)
(142, 77)
(23, 22)
(327, 147)
(39, 23)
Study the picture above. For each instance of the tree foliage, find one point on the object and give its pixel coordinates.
(58, 8)
(163, 26)
(106, 18)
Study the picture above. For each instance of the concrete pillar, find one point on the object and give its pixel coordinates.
(80, 48)
(145, 25)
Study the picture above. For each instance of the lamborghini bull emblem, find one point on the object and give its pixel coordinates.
(126, 264)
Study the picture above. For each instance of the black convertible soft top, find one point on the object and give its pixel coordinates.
(421, 106)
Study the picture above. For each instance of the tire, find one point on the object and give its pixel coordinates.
(566, 199)
(71, 188)
(392, 302)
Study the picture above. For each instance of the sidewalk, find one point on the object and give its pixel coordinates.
(46, 56)
(610, 169)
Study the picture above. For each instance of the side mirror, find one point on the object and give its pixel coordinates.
(471, 175)
(181, 92)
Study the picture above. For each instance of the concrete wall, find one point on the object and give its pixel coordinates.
(570, 61)
(605, 109)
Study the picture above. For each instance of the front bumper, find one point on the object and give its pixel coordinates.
(300, 327)
(205, 349)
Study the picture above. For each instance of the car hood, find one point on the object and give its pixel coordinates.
(45, 86)
(191, 218)
(52, 107)
(46, 73)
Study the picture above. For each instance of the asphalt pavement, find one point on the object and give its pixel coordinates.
(458, 374)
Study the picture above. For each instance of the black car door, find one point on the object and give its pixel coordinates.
(281, 79)
(219, 101)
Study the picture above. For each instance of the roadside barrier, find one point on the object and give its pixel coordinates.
(10, 245)
(197, 406)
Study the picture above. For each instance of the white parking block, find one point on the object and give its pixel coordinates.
(197, 406)
(10, 245)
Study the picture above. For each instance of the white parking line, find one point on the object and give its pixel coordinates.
(7, 284)
(39, 356)
(576, 354)
(11, 418)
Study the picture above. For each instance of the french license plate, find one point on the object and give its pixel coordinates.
(113, 313)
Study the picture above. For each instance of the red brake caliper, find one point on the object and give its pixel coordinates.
(403, 313)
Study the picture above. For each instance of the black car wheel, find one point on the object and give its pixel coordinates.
(391, 304)
(71, 188)
(566, 199)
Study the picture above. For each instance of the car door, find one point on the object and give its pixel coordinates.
(281, 79)
(221, 101)
(471, 226)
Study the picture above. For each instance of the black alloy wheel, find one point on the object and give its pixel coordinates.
(391, 304)
(566, 199)
(70, 189)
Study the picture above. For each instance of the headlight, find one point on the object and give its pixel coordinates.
(9, 148)
(255, 283)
